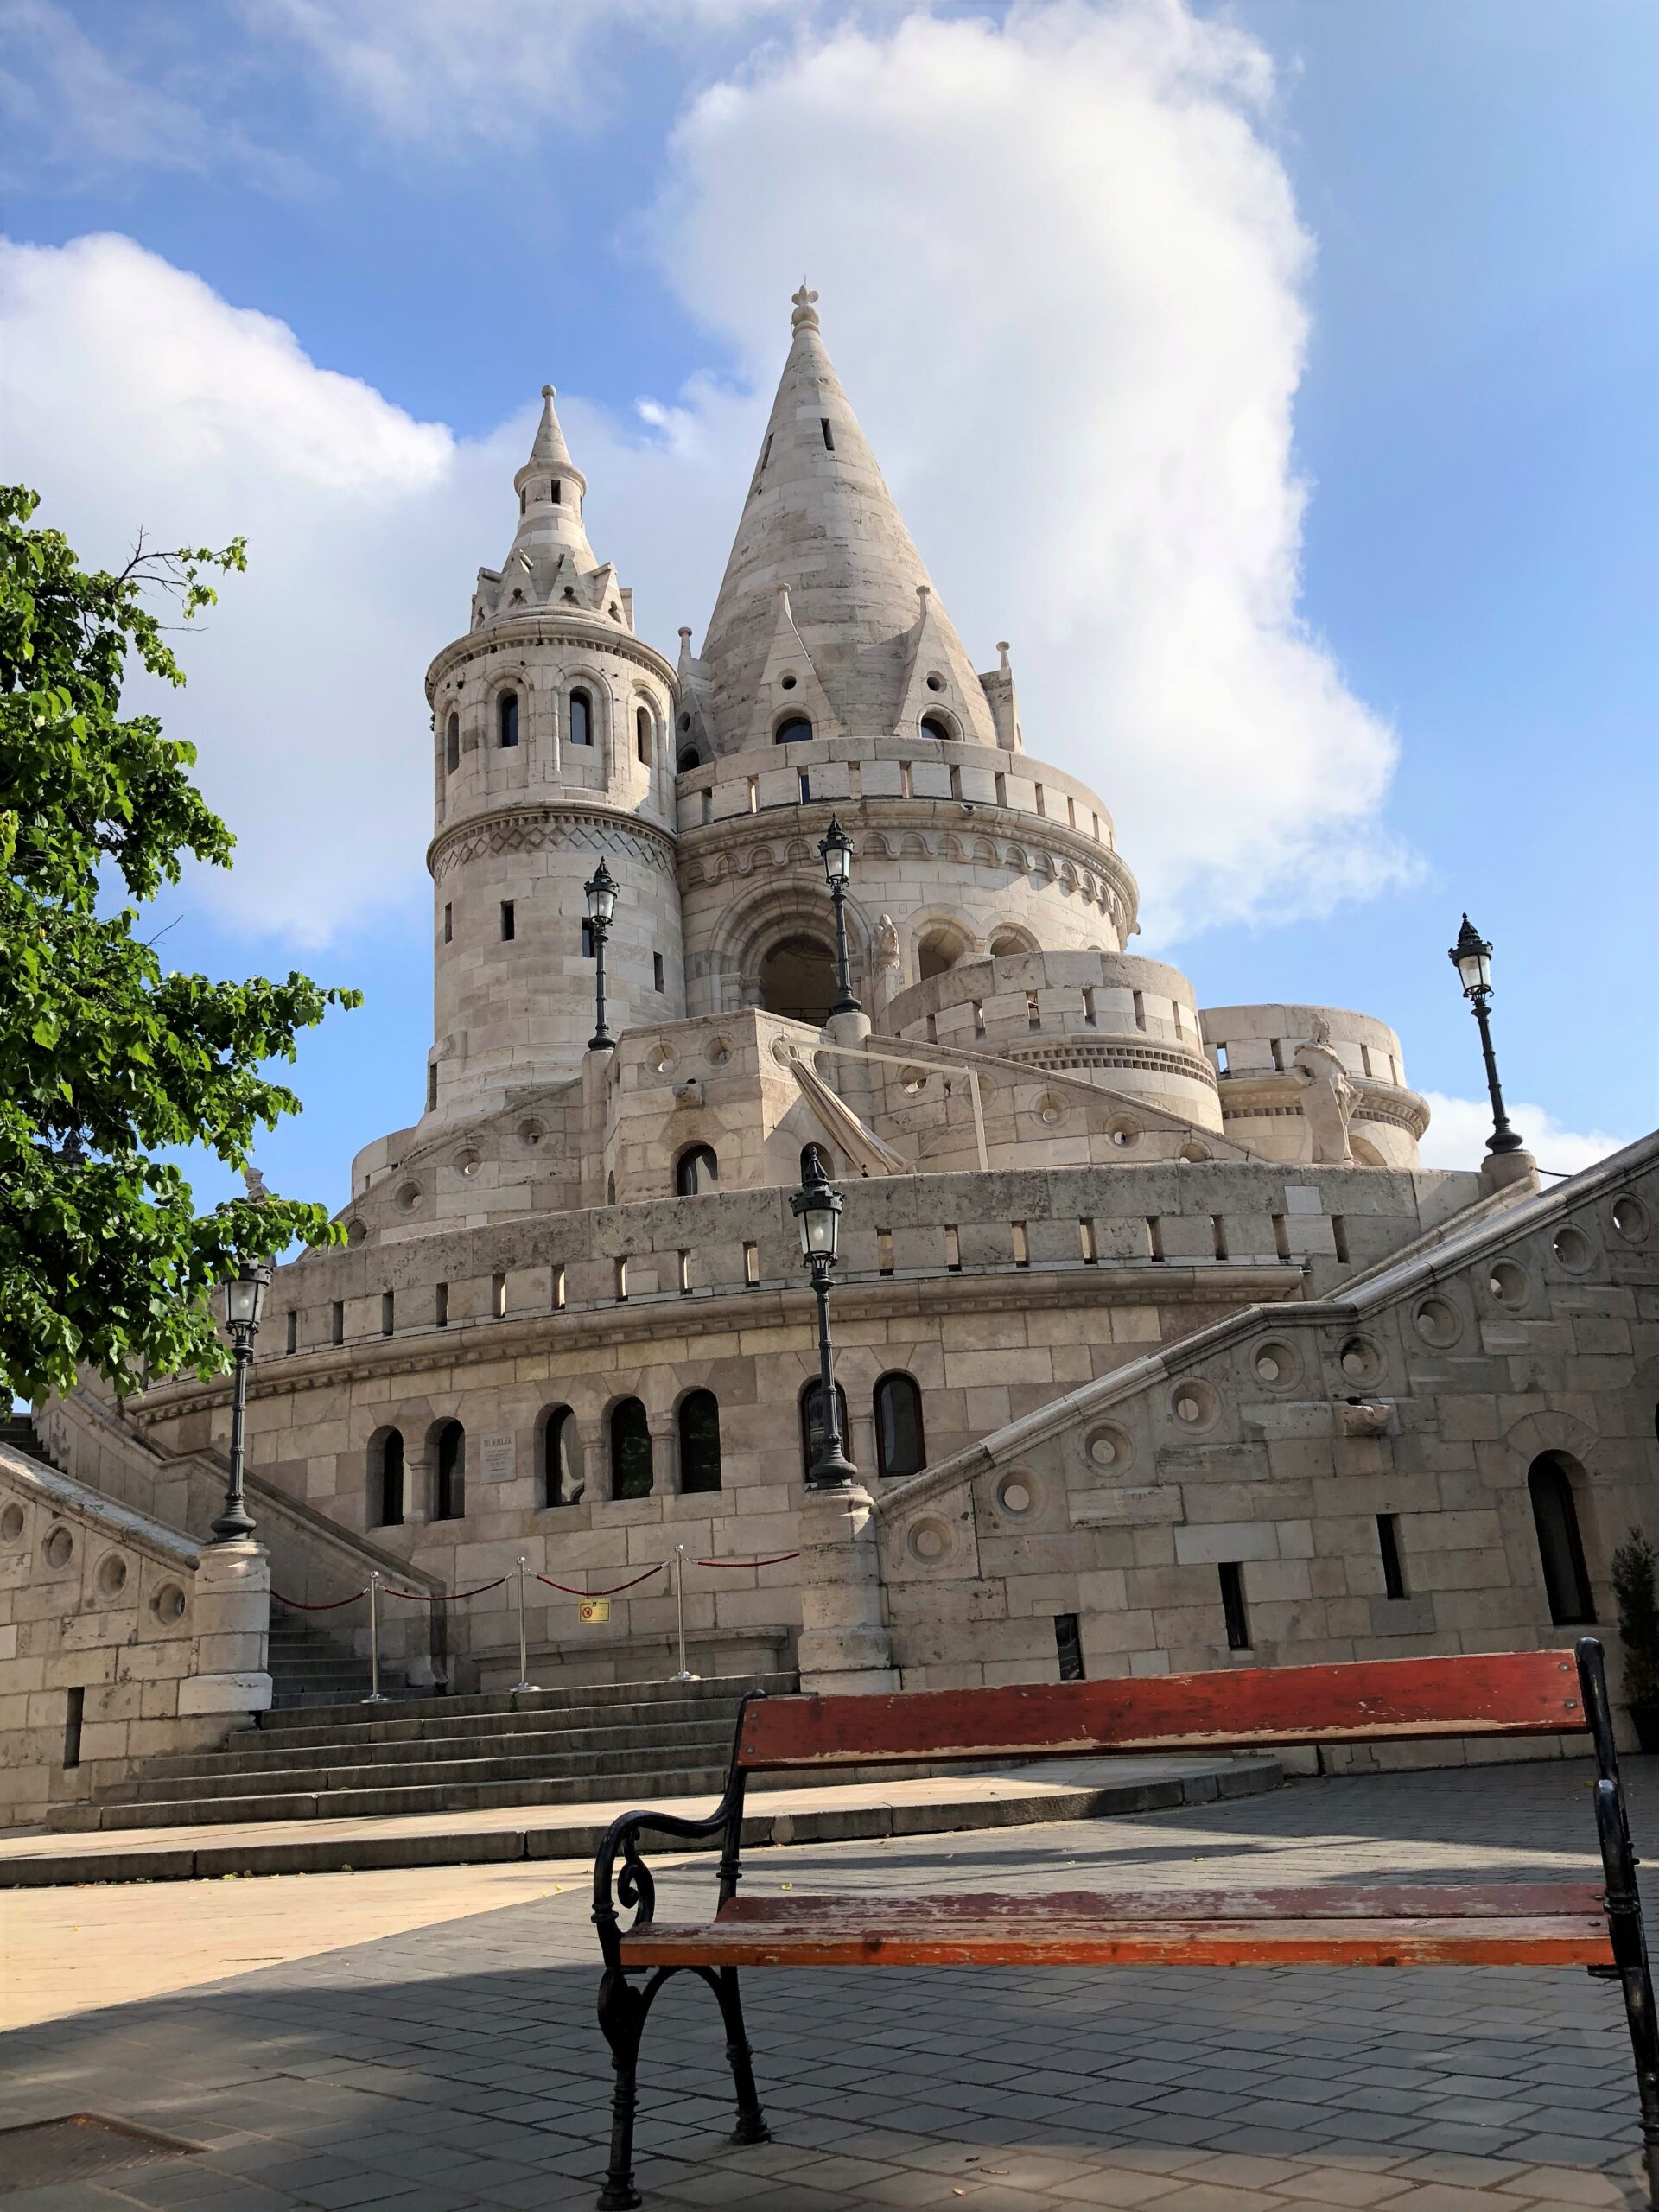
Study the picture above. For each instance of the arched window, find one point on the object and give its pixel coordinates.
(386, 1480)
(1561, 1548)
(1008, 944)
(450, 1489)
(562, 1481)
(582, 719)
(792, 731)
(452, 745)
(935, 726)
(900, 1448)
(688, 759)
(506, 718)
(631, 1468)
(812, 1422)
(821, 1154)
(699, 1423)
(642, 736)
(797, 979)
(938, 952)
(697, 1170)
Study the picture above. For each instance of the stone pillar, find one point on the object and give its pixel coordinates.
(1503, 1171)
(844, 1642)
(231, 1615)
(851, 1029)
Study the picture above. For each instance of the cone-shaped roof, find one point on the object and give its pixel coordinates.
(820, 519)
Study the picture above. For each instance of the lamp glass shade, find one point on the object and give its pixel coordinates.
(837, 848)
(244, 1297)
(816, 1209)
(1472, 958)
(602, 895)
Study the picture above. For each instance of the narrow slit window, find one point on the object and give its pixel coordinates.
(766, 450)
(1068, 1647)
(293, 1330)
(1070, 813)
(979, 1017)
(1090, 1017)
(452, 745)
(431, 1087)
(1139, 1010)
(1218, 1236)
(1221, 1059)
(905, 790)
(1281, 1237)
(1365, 1058)
(1155, 1237)
(440, 1305)
(1234, 1609)
(621, 1282)
(956, 783)
(1001, 782)
(642, 736)
(933, 1028)
(657, 969)
(498, 1298)
(507, 719)
(755, 794)
(1276, 1047)
(829, 439)
(952, 1251)
(685, 1274)
(1339, 1235)
(1042, 808)
(707, 806)
(74, 1714)
(1089, 1243)
(806, 788)
(1021, 1244)
(337, 1322)
(582, 719)
(1033, 1011)
(388, 1311)
(555, 492)
(558, 1290)
(1387, 1542)
(509, 922)
(750, 1266)
(449, 923)
(883, 1251)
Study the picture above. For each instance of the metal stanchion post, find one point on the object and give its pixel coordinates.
(523, 1681)
(375, 1695)
(685, 1674)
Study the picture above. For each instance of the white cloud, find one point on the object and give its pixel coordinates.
(77, 100)
(1456, 1135)
(1063, 276)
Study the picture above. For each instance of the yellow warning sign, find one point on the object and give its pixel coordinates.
(593, 1609)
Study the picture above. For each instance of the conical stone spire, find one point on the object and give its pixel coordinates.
(550, 489)
(820, 519)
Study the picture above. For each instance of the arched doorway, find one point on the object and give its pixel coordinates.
(797, 979)
(1560, 1546)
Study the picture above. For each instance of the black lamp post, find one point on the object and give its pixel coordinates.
(816, 1209)
(245, 1306)
(602, 905)
(836, 850)
(1472, 958)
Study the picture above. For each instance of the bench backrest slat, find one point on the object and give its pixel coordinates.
(1500, 1693)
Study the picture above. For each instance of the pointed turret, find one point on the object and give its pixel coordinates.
(820, 521)
(550, 563)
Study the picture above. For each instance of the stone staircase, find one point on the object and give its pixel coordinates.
(638, 1740)
(308, 1667)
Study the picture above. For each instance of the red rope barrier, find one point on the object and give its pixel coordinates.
(444, 1597)
(332, 1608)
(776, 1560)
(570, 1591)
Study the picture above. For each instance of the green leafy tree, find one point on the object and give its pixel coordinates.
(1635, 1565)
(105, 1060)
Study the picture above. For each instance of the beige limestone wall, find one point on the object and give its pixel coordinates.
(1271, 1445)
(118, 1639)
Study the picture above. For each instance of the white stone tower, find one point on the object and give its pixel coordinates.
(552, 728)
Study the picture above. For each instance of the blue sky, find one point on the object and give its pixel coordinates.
(1373, 288)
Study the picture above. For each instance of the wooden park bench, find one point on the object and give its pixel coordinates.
(1398, 1924)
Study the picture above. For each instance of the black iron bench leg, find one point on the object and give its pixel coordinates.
(750, 2121)
(1619, 1864)
(622, 2022)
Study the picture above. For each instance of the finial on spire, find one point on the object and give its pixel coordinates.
(806, 316)
(549, 391)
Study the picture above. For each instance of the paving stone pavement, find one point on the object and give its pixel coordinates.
(459, 2065)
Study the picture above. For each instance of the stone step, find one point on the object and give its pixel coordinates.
(710, 1746)
(426, 1721)
(380, 1803)
(556, 1700)
(362, 1750)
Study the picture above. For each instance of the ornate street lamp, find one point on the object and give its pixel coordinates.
(816, 1209)
(602, 905)
(245, 1306)
(1472, 958)
(836, 848)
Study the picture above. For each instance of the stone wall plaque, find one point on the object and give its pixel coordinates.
(495, 1459)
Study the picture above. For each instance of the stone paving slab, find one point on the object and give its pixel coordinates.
(458, 2066)
(1061, 1789)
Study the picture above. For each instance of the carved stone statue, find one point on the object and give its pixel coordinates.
(256, 1184)
(884, 951)
(1327, 1102)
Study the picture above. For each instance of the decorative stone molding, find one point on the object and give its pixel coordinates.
(528, 828)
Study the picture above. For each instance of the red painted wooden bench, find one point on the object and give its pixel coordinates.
(1397, 1924)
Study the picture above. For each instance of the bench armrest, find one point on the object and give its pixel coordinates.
(631, 1886)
